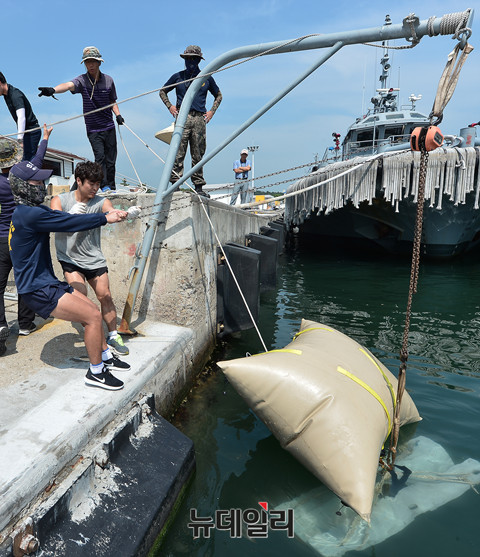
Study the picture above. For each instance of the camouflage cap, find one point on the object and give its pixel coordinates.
(10, 152)
(192, 51)
(25, 193)
(91, 52)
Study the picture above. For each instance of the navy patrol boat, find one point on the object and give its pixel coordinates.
(369, 185)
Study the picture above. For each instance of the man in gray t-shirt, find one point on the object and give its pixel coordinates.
(80, 253)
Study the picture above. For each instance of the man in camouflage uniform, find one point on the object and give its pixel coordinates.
(195, 126)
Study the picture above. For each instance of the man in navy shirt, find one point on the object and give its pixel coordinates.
(97, 90)
(21, 111)
(29, 243)
(195, 126)
(10, 154)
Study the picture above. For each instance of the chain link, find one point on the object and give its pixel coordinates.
(223, 186)
(414, 40)
(414, 271)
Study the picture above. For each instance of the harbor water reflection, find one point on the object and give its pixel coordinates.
(239, 463)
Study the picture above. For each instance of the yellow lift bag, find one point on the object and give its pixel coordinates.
(329, 402)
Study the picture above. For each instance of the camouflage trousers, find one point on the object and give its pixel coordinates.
(194, 135)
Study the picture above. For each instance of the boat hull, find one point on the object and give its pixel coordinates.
(378, 227)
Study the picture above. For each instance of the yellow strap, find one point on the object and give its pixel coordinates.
(312, 329)
(288, 350)
(392, 392)
(370, 390)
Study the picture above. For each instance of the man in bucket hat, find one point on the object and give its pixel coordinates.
(97, 90)
(10, 154)
(29, 245)
(194, 133)
(21, 111)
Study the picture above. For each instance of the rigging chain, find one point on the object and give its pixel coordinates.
(417, 241)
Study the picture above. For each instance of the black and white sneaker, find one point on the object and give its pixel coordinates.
(116, 364)
(25, 331)
(4, 332)
(104, 380)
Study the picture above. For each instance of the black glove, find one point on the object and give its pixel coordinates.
(120, 119)
(473, 125)
(46, 92)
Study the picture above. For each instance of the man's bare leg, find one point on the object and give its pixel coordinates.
(78, 308)
(77, 281)
(101, 287)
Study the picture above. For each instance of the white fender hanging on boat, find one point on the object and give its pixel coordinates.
(329, 402)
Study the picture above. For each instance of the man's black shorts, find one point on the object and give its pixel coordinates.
(87, 273)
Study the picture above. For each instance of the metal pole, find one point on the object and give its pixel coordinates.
(252, 149)
(334, 41)
(164, 190)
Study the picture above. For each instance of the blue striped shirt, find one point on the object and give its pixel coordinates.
(104, 93)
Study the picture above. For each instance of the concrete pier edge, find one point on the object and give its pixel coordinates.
(43, 462)
(81, 477)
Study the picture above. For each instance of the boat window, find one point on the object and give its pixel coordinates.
(397, 130)
(394, 116)
(418, 115)
(366, 135)
(371, 119)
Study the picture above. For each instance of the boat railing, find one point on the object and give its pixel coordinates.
(366, 147)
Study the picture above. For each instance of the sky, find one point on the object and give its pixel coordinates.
(141, 42)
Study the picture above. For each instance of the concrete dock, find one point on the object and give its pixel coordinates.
(58, 436)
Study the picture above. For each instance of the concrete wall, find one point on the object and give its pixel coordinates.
(179, 286)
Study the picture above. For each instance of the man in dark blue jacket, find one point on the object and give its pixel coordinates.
(29, 242)
(194, 133)
(10, 154)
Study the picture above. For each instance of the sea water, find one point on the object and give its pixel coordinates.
(239, 463)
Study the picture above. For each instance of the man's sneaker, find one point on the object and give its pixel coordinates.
(25, 331)
(4, 332)
(117, 345)
(104, 380)
(116, 364)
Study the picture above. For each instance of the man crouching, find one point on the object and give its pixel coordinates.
(32, 264)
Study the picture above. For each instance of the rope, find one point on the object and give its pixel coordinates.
(448, 81)
(230, 269)
(450, 23)
(224, 185)
(417, 240)
(414, 40)
(216, 238)
(230, 66)
(143, 188)
(368, 160)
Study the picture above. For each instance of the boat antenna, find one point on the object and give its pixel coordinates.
(363, 90)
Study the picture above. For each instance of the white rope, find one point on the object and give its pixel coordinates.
(230, 66)
(143, 188)
(231, 270)
(147, 146)
(313, 186)
(218, 242)
(451, 172)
